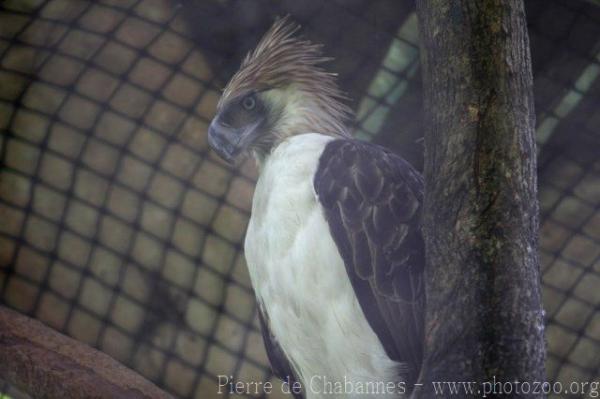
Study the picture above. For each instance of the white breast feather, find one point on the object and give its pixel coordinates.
(300, 278)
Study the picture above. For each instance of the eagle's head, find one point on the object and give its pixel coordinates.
(279, 91)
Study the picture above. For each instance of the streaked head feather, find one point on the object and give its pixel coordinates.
(282, 60)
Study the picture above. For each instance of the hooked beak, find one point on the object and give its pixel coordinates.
(224, 140)
(229, 142)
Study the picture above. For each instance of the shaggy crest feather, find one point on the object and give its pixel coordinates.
(280, 60)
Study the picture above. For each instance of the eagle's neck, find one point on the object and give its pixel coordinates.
(302, 112)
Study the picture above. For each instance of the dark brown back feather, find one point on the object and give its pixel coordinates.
(372, 201)
(279, 363)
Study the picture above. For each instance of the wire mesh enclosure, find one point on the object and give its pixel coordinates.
(119, 228)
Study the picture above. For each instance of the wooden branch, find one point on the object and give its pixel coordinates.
(47, 364)
(484, 317)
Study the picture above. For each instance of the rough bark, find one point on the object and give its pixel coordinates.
(46, 364)
(484, 317)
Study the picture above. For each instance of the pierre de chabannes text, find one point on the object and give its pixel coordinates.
(322, 385)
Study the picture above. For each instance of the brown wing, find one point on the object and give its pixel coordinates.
(372, 201)
(279, 363)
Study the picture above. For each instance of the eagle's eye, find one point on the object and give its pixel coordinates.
(249, 103)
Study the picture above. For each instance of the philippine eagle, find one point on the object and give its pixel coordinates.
(333, 247)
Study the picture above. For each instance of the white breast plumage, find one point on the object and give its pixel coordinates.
(300, 279)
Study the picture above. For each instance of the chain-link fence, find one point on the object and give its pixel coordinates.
(119, 228)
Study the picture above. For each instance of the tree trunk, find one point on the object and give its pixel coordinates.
(484, 317)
